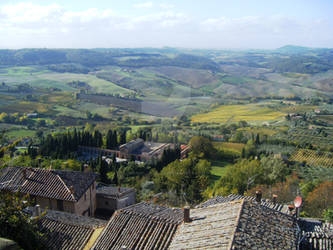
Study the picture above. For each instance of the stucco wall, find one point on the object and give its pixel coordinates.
(106, 203)
(87, 202)
(127, 200)
(52, 204)
(113, 203)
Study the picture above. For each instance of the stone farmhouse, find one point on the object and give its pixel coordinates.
(69, 191)
(138, 150)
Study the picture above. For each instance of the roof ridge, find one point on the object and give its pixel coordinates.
(237, 223)
(69, 191)
(70, 223)
(274, 210)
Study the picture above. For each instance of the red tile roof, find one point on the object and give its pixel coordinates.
(141, 226)
(54, 184)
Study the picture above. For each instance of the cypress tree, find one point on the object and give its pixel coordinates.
(257, 141)
(114, 139)
(109, 139)
(122, 137)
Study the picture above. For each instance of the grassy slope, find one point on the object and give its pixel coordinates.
(218, 169)
(99, 85)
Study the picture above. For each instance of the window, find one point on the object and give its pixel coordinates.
(60, 205)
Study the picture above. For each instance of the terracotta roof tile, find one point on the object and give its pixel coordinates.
(232, 197)
(261, 227)
(55, 184)
(212, 227)
(141, 226)
(239, 224)
(68, 231)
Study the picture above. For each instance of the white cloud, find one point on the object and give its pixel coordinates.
(86, 16)
(145, 5)
(32, 25)
(27, 12)
(28, 25)
(166, 6)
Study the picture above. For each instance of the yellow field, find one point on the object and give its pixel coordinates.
(312, 158)
(236, 147)
(235, 113)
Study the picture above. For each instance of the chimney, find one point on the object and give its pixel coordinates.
(258, 196)
(297, 212)
(86, 168)
(291, 208)
(37, 210)
(187, 218)
(72, 189)
(274, 198)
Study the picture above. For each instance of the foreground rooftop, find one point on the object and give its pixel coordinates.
(239, 224)
(54, 184)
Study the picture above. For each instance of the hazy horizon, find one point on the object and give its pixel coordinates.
(168, 47)
(236, 25)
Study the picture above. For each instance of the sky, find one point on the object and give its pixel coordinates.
(211, 24)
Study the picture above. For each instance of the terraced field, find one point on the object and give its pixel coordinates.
(311, 136)
(326, 118)
(313, 158)
(252, 113)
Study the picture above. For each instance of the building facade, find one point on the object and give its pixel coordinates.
(110, 199)
(69, 191)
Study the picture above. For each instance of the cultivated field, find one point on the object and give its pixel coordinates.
(229, 146)
(253, 113)
(24, 107)
(99, 85)
(313, 158)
